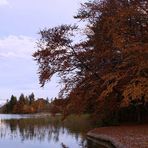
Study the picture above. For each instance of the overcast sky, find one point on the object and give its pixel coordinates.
(20, 21)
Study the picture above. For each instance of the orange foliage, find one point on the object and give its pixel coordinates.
(108, 66)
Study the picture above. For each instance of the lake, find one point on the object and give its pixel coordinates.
(29, 131)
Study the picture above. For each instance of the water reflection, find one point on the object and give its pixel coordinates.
(44, 132)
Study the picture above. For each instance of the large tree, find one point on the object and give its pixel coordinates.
(108, 66)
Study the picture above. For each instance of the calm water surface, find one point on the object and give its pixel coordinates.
(27, 131)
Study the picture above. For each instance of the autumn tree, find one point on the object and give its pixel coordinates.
(107, 68)
(19, 108)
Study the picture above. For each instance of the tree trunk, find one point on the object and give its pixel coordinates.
(138, 113)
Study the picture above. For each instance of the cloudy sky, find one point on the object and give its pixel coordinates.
(20, 21)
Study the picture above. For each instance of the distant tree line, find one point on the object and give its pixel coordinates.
(26, 104)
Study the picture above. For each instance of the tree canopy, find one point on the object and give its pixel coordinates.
(103, 66)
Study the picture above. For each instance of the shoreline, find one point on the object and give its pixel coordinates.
(124, 136)
(104, 140)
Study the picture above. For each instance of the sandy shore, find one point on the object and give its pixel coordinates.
(124, 136)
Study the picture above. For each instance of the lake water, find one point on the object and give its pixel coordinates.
(28, 131)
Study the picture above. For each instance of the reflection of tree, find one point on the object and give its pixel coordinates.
(41, 129)
(30, 129)
(13, 127)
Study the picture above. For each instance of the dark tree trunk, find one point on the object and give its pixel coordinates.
(138, 109)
